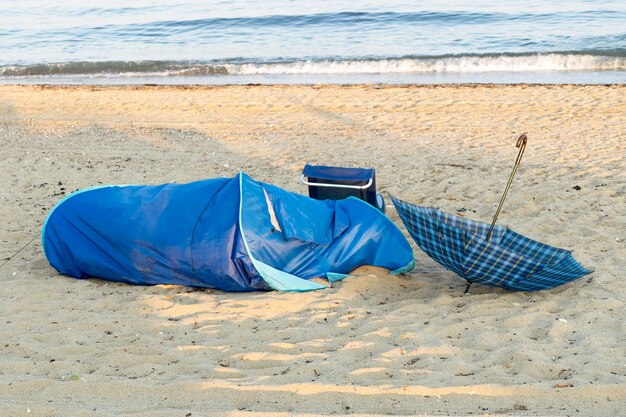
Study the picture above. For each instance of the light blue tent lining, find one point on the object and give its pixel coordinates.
(403, 270)
(334, 276)
(283, 281)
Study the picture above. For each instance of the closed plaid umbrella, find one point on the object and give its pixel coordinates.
(488, 254)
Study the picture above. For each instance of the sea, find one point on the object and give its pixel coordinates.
(215, 42)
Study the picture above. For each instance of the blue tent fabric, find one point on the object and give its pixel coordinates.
(508, 259)
(234, 234)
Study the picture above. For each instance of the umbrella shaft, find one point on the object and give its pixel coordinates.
(521, 144)
(506, 190)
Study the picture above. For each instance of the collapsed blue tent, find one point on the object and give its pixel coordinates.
(234, 234)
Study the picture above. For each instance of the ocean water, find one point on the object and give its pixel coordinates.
(305, 41)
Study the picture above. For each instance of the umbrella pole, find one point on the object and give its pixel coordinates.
(521, 143)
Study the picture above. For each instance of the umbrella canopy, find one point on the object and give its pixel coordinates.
(507, 260)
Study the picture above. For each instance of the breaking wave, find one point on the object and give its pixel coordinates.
(558, 61)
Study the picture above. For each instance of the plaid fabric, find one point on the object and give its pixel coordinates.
(508, 259)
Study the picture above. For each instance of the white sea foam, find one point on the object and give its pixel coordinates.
(458, 64)
(550, 68)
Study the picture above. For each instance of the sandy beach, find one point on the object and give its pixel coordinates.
(372, 345)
